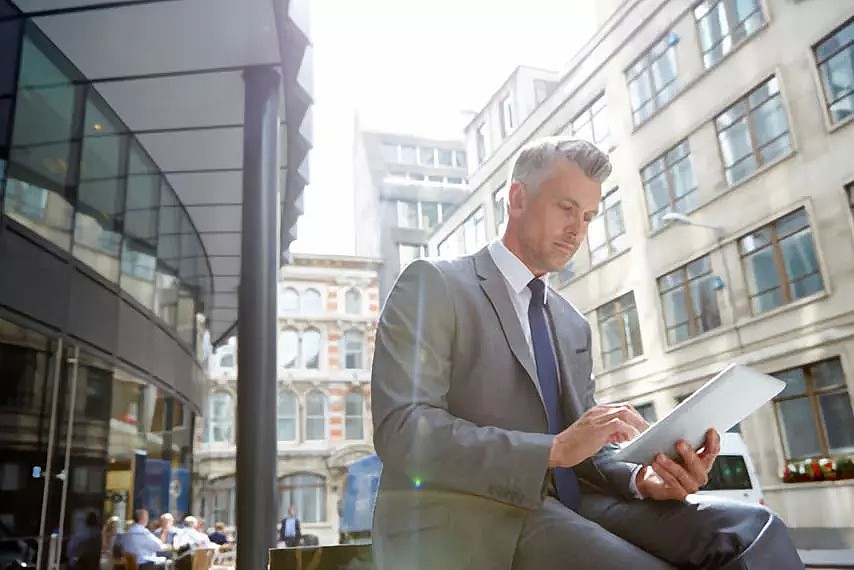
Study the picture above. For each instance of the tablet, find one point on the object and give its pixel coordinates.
(722, 402)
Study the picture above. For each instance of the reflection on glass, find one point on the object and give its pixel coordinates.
(100, 195)
(287, 417)
(168, 256)
(311, 349)
(354, 425)
(288, 348)
(139, 249)
(315, 416)
(37, 189)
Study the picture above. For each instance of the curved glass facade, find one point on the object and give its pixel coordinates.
(76, 176)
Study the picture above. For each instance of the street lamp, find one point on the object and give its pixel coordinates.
(676, 218)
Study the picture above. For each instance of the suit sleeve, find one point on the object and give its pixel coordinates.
(602, 469)
(414, 433)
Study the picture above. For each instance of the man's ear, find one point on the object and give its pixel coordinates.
(517, 198)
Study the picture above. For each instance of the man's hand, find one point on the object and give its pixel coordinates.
(665, 479)
(611, 423)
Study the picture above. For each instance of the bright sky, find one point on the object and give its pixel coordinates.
(414, 66)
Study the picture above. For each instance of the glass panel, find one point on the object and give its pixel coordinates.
(354, 422)
(407, 154)
(37, 191)
(633, 333)
(315, 416)
(290, 301)
(288, 348)
(311, 303)
(796, 382)
(389, 152)
(769, 121)
(827, 374)
(838, 421)
(728, 472)
(286, 428)
(445, 157)
(429, 215)
(425, 156)
(761, 271)
(735, 143)
(353, 302)
(139, 249)
(353, 350)
(705, 304)
(100, 195)
(311, 349)
(798, 427)
(168, 256)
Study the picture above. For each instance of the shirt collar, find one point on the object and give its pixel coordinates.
(511, 267)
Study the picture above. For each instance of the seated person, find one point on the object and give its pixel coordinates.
(166, 531)
(191, 536)
(218, 535)
(143, 545)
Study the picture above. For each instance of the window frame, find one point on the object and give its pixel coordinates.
(669, 177)
(657, 92)
(215, 422)
(309, 416)
(352, 302)
(506, 117)
(280, 417)
(756, 153)
(291, 482)
(819, 62)
(347, 349)
(302, 359)
(349, 417)
(619, 312)
(286, 292)
(779, 261)
(813, 397)
(609, 239)
(685, 284)
(590, 113)
(729, 10)
(306, 311)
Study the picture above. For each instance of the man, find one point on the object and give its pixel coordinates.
(139, 542)
(192, 535)
(290, 532)
(166, 531)
(218, 536)
(495, 453)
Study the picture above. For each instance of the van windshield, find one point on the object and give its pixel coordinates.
(729, 472)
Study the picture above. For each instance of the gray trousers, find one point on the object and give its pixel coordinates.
(609, 532)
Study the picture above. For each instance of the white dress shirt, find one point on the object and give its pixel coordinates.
(517, 276)
(144, 546)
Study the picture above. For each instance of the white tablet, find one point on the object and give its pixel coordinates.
(722, 402)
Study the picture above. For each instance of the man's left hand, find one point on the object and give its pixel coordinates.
(667, 479)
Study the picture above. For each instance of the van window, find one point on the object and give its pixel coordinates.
(728, 472)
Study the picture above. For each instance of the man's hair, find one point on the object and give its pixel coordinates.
(190, 520)
(220, 526)
(536, 159)
(139, 514)
(167, 516)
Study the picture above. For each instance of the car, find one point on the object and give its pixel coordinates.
(733, 476)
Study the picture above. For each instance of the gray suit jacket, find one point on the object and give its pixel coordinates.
(459, 421)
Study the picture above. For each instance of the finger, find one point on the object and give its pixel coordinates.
(686, 481)
(616, 430)
(629, 416)
(693, 464)
(711, 448)
(661, 469)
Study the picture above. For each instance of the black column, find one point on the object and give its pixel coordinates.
(256, 318)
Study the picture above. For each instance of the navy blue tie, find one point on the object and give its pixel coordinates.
(565, 478)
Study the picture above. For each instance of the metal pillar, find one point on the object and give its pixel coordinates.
(256, 328)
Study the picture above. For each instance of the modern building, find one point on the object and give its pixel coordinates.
(132, 135)
(404, 186)
(725, 232)
(328, 307)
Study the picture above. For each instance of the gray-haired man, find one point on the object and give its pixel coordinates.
(495, 453)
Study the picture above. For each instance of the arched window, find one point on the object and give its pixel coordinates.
(354, 420)
(290, 302)
(311, 303)
(353, 302)
(306, 492)
(288, 348)
(353, 350)
(311, 349)
(286, 426)
(221, 414)
(315, 416)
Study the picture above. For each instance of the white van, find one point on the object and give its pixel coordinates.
(732, 475)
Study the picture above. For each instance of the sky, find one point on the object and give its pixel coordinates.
(417, 67)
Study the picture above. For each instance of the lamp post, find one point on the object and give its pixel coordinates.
(675, 218)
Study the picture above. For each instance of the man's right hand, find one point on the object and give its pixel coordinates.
(610, 423)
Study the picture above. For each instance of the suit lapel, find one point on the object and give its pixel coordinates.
(495, 287)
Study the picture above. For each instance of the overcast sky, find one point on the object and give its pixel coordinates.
(414, 67)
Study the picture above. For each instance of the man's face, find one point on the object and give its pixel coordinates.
(143, 518)
(551, 223)
(292, 512)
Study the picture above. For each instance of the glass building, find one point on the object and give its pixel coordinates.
(122, 158)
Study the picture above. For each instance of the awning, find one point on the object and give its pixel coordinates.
(172, 71)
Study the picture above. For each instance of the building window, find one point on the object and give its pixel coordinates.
(593, 124)
(430, 215)
(407, 214)
(499, 203)
(507, 124)
(480, 142)
(619, 331)
(724, 24)
(647, 412)
(354, 422)
(389, 152)
(445, 157)
(288, 348)
(459, 159)
(606, 234)
(835, 58)
(426, 156)
(814, 411)
(652, 79)
(290, 301)
(669, 184)
(311, 303)
(221, 417)
(310, 345)
(408, 154)
(780, 262)
(307, 493)
(475, 230)
(286, 416)
(408, 253)
(315, 416)
(689, 300)
(353, 302)
(353, 349)
(753, 132)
